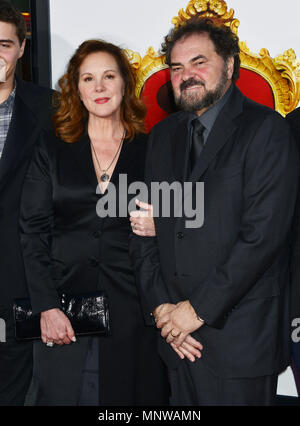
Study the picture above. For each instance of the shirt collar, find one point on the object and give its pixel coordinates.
(208, 118)
(10, 100)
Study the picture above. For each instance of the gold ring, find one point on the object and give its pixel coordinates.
(176, 335)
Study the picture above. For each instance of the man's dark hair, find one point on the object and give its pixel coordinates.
(225, 41)
(12, 16)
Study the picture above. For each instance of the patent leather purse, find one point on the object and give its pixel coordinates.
(87, 312)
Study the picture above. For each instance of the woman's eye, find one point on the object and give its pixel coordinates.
(110, 76)
(87, 79)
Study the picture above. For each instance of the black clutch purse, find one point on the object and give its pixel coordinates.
(87, 312)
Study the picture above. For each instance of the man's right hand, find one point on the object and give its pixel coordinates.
(190, 348)
(56, 327)
(162, 310)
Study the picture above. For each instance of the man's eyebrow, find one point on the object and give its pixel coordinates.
(176, 64)
(7, 41)
(198, 57)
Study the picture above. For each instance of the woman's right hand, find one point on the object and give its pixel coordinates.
(142, 222)
(56, 327)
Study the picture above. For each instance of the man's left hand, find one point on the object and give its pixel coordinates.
(179, 323)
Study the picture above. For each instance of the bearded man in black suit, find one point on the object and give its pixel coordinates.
(224, 284)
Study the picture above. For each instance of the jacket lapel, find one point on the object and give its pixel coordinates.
(81, 151)
(223, 128)
(179, 139)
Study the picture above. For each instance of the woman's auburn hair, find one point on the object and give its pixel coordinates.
(71, 115)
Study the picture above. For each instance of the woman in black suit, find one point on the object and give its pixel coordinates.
(68, 248)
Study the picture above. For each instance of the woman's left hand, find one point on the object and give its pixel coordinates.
(142, 222)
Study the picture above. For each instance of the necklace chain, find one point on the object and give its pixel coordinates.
(103, 175)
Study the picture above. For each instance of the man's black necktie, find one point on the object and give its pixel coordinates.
(197, 141)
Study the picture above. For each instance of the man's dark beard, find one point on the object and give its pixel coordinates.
(192, 103)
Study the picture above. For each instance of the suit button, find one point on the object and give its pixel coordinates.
(97, 233)
(175, 274)
(94, 262)
(179, 235)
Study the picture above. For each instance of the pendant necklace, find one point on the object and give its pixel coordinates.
(104, 177)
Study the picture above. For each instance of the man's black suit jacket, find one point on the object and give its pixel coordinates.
(294, 120)
(234, 269)
(31, 113)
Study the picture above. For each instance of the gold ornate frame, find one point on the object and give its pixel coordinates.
(282, 73)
